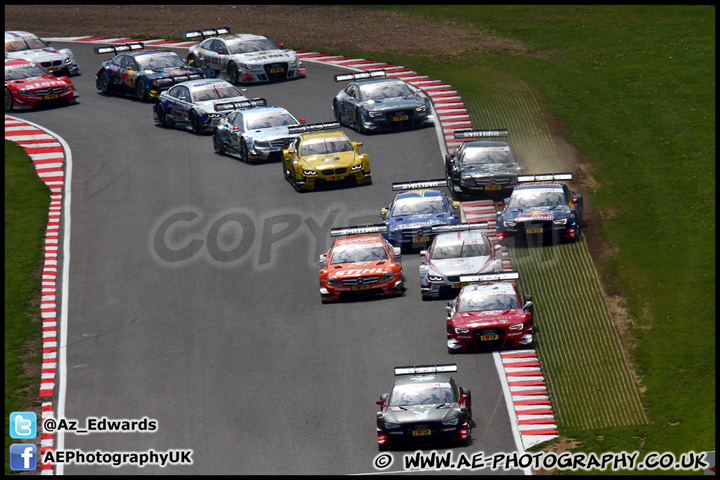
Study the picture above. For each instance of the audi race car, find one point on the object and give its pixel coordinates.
(139, 72)
(427, 407)
(463, 251)
(411, 216)
(542, 208)
(360, 266)
(254, 131)
(28, 86)
(482, 166)
(323, 155)
(197, 105)
(487, 316)
(26, 45)
(245, 58)
(372, 102)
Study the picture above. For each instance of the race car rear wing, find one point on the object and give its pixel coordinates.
(344, 77)
(545, 177)
(463, 134)
(127, 47)
(419, 184)
(437, 368)
(459, 227)
(490, 277)
(209, 32)
(314, 127)
(340, 232)
(255, 102)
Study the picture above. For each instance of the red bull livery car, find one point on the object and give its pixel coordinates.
(489, 316)
(29, 86)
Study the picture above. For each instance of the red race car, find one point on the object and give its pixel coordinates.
(360, 266)
(490, 315)
(28, 86)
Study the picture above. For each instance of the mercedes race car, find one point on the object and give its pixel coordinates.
(465, 250)
(372, 102)
(26, 45)
(197, 105)
(424, 408)
(360, 266)
(542, 208)
(255, 132)
(139, 72)
(322, 155)
(492, 315)
(245, 58)
(482, 166)
(28, 86)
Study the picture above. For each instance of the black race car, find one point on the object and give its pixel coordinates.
(426, 408)
(482, 165)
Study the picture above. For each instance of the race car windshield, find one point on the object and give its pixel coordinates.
(322, 146)
(357, 253)
(257, 122)
(24, 44)
(418, 206)
(380, 91)
(536, 198)
(484, 300)
(24, 71)
(248, 46)
(421, 394)
(481, 156)
(151, 62)
(459, 250)
(215, 93)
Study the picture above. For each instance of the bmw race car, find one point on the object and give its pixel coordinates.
(254, 131)
(245, 58)
(463, 251)
(197, 105)
(425, 408)
(360, 266)
(372, 102)
(26, 45)
(492, 315)
(542, 208)
(28, 86)
(482, 166)
(139, 72)
(322, 155)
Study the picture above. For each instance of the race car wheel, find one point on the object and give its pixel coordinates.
(161, 115)
(358, 120)
(336, 110)
(295, 184)
(233, 73)
(9, 103)
(195, 122)
(244, 151)
(141, 89)
(104, 81)
(218, 144)
(286, 172)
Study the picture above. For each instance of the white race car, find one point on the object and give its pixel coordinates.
(25, 45)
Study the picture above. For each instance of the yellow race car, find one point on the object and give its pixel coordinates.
(323, 155)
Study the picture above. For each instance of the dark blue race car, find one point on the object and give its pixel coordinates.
(142, 73)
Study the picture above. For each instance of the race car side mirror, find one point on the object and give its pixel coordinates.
(423, 256)
(323, 259)
(359, 144)
(383, 213)
(463, 399)
(528, 305)
(191, 62)
(574, 200)
(397, 251)
(280, 45)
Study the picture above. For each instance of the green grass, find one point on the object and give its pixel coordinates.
(27, 200)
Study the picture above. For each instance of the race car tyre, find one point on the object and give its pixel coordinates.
(195, 122)
(233, 73)
(9, 102)
(104, 82)
(336, 111)
(358, 120)
(141, 89)
(295, 184)
(286, 172)
(161, 115)
(244, 151)
(218, 144)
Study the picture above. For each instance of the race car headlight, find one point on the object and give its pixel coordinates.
(26, 93)
(162, 81)
(261, 143)
(332, 281)
(376, 114)
(387, 277)
(67, 89)
(461, 330)
(421, 109)
(561, 221)
(509, 224)
(214, 115)
(435, 278)
(451, 421)
(356, 167)
(309, 172)
(251, 66)
(389, 425)
(67, 60)
(519, 326)
(394, 232)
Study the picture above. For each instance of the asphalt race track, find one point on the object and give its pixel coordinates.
(193, 295)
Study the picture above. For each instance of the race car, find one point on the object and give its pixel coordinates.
(465, 250)
(245, 58)
(26, 45)
(411, 216)
(360, 266)
(197, 105)
(28, 86)
(372, 103)
(542, 208)
(322, 155)
(492, 314)
(142, 73)
(426, 408)
(482, 166)
(255, 132)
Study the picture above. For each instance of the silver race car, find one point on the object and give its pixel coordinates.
(243, 57)
(255, 132)
(25, 45)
